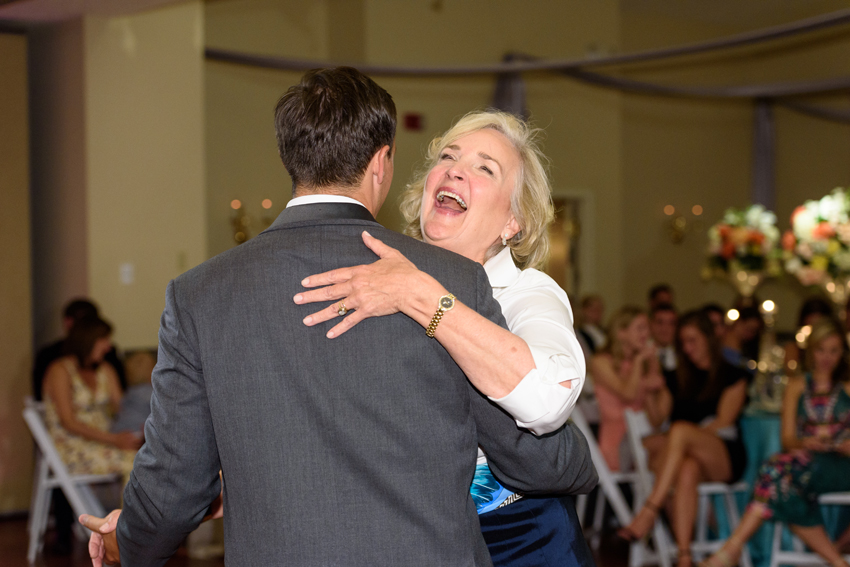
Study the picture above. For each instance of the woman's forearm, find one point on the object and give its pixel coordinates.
(88, 432)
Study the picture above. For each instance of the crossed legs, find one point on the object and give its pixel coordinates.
(689, 455)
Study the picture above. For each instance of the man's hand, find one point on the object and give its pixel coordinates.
(103, 544)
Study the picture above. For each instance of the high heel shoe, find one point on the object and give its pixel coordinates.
(629, 534)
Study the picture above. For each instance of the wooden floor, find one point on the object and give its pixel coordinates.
(13, 551)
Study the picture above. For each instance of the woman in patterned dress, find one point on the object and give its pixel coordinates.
(816, 439)
(81, 393)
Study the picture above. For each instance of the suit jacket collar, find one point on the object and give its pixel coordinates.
(305, 214)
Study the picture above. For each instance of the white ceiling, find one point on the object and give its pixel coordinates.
(37, 11)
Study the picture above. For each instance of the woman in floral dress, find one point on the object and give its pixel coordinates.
(816, 439)
(81, 393)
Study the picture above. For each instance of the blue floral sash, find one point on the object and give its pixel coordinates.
(486, 491)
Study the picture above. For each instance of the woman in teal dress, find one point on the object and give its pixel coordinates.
(816, 440)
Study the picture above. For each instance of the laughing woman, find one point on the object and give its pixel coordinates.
(484, 194)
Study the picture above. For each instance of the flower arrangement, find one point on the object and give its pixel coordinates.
(817, 248)
(745, 240)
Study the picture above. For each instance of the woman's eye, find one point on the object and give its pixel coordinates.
(446, 156)
(487, 169)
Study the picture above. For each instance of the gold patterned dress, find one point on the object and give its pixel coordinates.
(92, 408)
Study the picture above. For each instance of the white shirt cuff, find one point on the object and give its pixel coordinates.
(539, 403)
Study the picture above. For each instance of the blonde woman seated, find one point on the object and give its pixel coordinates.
(626, 375)
(703, 399)
(81, 394)
(816, 440)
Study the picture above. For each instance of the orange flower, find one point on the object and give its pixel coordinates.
(723, 231)
(755, 237)
(823, 231)
(788, 240)
(728, 250)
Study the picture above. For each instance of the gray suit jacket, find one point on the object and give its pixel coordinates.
(346, 452)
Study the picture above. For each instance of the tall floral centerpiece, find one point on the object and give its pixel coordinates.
(743, 248)
(817, 248)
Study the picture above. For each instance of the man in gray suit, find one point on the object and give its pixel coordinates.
(356, 451)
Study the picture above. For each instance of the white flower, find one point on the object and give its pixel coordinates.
(793, 265)
(805, 221)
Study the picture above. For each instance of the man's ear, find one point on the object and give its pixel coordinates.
(378, 165)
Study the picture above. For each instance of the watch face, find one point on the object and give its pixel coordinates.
(447, 302)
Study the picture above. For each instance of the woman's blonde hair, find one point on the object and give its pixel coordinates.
(531, 204)
(824, 328)
(620, 321)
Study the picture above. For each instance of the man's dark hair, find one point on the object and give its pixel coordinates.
(661, 308)
(710, 308)
(80, 309)
(659, 288)
(330, 125)
(83, 335)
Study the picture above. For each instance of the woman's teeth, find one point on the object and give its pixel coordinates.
(443, 194)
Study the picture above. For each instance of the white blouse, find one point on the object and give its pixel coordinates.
(538, 311)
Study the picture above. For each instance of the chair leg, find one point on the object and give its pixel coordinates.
(776, 547)
(40, 509)
(702, 519)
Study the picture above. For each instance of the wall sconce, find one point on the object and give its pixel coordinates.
(678, 226)
(241, 221)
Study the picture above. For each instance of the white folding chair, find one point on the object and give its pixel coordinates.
(638, 427)
(798, 555)
(609, 484)
(51, 472)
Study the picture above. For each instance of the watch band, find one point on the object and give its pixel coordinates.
(438, 316)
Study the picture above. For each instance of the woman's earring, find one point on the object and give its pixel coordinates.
(504, 240)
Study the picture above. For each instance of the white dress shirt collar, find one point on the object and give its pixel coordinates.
(313, 199)
(501, 270)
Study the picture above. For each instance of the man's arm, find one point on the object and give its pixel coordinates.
(175, 474)
(558, 462)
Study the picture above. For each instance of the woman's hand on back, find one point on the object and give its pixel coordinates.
(368, 290)
(816, 444)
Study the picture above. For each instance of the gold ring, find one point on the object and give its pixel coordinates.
(342, 310)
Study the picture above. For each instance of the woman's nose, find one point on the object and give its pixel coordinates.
(455, 172)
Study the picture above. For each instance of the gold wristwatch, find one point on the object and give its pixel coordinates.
(446, 303)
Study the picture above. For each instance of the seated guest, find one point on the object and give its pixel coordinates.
(813, 310)
(81, 393)
(76, 310)
(590, 318)
(136, 403)
(816, 440)
(661, 293)
(718, 318)
(703, 399)
(662, 327)
(740, 343)
(625, 373)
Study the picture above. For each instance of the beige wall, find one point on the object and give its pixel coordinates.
(144, 161)
(15, 292)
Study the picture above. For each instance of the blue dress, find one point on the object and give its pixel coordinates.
(528, 531)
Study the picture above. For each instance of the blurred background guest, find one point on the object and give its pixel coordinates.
(813, 310)
(624, 373)
(718, 318)
(136, 403)
(661, 293)
(81, 394)
(703, 400)
(816, 440)
(741, 340)
(591, 315)
(662, 327)
(74, 311)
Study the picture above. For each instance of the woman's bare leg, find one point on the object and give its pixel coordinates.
(751, 521)
(815, 537)
(684, 507)
(684, 439)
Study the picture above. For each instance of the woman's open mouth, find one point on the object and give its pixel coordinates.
(454, 201)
